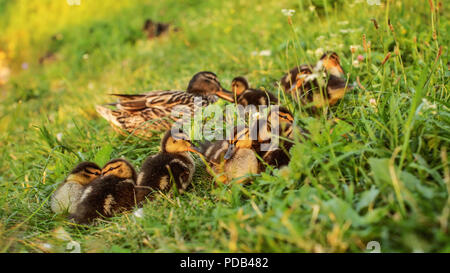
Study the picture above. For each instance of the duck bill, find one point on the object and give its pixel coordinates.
(226, 95)
(230, 152)
(195, 150)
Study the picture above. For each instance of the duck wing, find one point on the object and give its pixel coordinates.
(142, 123)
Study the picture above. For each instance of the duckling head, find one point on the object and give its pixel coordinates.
(120, 168)
(205, 83)
(332, 64)
(84, 173)
(239, 85)
(301, 77)
(177, 143)
(282, 113)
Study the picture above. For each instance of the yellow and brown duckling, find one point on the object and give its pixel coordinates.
(143, 114)
(173, 165)
(275, 154)
(244, 95)
(112, 193)
(322, 84)
(154, 29)
(67, 195)
(331, 62)
(231, 160)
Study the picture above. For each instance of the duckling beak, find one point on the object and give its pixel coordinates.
(230, 152)
(194, 149)
(226, 95)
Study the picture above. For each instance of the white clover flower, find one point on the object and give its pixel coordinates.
(288, 12)
(320, 38)
(356, 63)
(319, 52)
(46, 246)
(373, 102)
(139, 213)
(266, 52)
(312, 8)
(354, 48)
(374, 2)
(59, 136)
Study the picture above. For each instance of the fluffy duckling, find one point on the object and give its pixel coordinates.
(231, 160)
(154, 29)
(66, 197)
(321, 85)
(172, 165)
(294, 79)
(332, 64)
(245, 96)
(112, 193)
(275, 156)
(143, 114)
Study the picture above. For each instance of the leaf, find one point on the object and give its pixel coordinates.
(366, 198)
(415, 185)
(380, 170)
(343, 211)
(103, 155)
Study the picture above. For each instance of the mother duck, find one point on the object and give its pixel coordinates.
(143, 114)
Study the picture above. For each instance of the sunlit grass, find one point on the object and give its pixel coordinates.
(386, 181)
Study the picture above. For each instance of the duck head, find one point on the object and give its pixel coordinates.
(205, 83)
(332, 64)
(120, 168)
(239, 85)
(177, 143)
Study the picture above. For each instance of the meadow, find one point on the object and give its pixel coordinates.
(386, 181)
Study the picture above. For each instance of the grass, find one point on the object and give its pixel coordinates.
(387, 181)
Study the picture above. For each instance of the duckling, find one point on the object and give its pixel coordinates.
(246, 96)
(143, 114)
(332, 64)
(112, 193)
(275, 156)
(335, 90)
(306, 81)
(172, 164)
(67, 195)
(294, 79)
(154, 29)
(230, 160)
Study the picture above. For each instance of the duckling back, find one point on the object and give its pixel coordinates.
(256, 98)
(105, 196)
(66, 197)
(160, 171)
(214, 151)
(243, 163)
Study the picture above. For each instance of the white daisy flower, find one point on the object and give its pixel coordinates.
(288, 12)
(139, 213)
